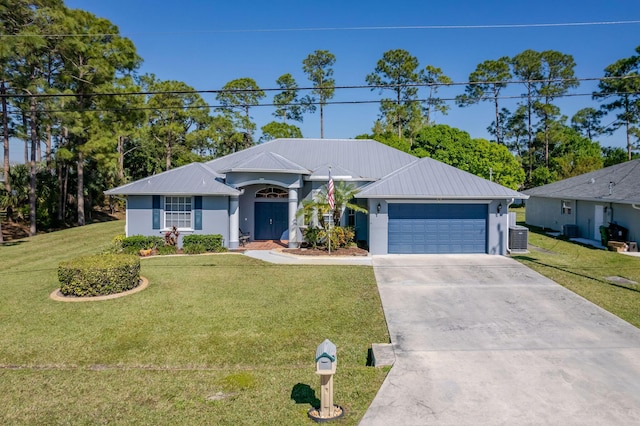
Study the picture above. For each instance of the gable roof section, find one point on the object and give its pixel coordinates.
(194, 179)
(427, 178)
(267, 162)
(619, 183)
(366, 158)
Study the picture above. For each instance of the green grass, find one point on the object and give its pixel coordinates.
(208, 326)
(584, 270)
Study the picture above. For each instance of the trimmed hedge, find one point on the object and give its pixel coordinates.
(135, 243)
(164, 250)
(210, 242)
(194, 249)
(99, 275)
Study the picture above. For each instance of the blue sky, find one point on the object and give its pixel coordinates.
(208, 43)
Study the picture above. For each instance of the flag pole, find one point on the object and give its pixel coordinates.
(331, 200)
(330, 218)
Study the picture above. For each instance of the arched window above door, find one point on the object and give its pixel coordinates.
(272, 192)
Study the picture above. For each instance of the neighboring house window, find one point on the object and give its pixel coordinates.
(272, 193)
(177, 212)
(567, 207)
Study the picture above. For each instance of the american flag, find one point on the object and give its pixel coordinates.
(330, 194)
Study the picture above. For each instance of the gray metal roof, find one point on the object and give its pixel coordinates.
(618, 184)
(193, 179)
(364, 157)
(267, 162)
(398, 174)
(430, 179)
(338, 173)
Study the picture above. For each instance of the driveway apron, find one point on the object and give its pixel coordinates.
(483, 340)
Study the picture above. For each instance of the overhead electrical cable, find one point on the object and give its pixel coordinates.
(362, 28)
(353, 102)
(298, 89)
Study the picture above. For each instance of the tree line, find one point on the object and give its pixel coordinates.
(89, 121)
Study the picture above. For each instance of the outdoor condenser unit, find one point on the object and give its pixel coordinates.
(518, 238)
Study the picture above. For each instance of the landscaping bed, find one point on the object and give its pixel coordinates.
(346, 251)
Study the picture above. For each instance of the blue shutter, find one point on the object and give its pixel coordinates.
(156, 212)
(197, 213)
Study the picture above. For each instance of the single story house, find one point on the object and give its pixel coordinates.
(588, 201)
(414, 205)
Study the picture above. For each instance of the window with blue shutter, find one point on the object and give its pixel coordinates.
(156, 212)
(178, 212)
(197, 212)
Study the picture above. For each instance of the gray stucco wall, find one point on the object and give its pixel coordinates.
(246, 220)
(586, 218)
(497, 228)
(547, 213)
(625, 215)
(140, 216)
(215, 217)
(378, 227)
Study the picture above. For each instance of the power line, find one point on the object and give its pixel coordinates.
(364, 28)
(298, 89)
(354, 102)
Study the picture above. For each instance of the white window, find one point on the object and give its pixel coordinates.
(177, 212)
(271, 192)
(567, 207)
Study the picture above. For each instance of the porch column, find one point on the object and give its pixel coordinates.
(293, 225)
(234, 221)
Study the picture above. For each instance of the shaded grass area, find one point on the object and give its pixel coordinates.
(585, 271)
(216, 339)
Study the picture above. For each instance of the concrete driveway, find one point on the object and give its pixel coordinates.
(483, 340)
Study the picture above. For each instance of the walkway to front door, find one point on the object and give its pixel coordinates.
(266, 245)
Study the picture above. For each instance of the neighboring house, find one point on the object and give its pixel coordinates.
(415, 205)
(588, 201)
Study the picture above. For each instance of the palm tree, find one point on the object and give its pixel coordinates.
(319, 206)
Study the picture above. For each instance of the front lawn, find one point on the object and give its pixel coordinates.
(587, 271)
(215, 339)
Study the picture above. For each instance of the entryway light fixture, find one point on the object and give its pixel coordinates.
(499, 207)
(378, 208)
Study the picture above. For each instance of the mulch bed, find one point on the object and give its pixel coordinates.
(350, 251)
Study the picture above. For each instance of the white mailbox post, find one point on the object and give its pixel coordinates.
(326, 362)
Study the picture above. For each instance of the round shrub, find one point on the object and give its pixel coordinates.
(99, 275)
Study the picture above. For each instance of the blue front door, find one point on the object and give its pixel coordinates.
(271, 220)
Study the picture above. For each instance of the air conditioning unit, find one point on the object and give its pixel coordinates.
(570, 231)
(518, 238)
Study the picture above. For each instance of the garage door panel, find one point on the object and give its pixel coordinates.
(437, 228)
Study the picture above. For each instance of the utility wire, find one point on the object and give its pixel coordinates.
(328, 29)
(355, 102)
(299, 89)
